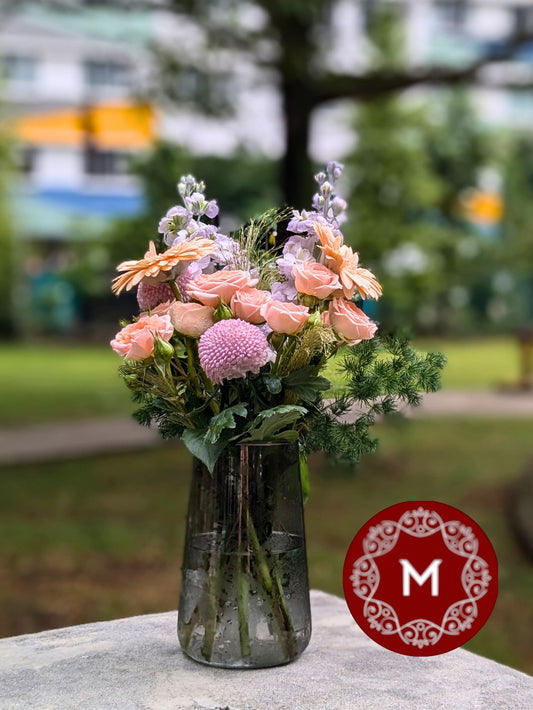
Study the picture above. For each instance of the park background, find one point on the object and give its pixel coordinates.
(428, 104)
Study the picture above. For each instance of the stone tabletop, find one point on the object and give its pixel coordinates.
(136, 663)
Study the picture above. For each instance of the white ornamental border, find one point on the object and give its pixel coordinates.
(382, 538)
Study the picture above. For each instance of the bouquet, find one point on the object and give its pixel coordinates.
(229, 348)
(234, 332)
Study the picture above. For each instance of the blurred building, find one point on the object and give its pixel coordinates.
(71, 89)
(70, 86)
(75, 86)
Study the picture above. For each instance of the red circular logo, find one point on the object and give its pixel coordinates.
(420, 578)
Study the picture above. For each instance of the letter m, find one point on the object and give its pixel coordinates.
(409, 571)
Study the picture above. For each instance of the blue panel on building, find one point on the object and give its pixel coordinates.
(96, 204)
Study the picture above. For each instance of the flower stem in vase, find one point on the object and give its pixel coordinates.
(242, 605)
(274, 591)
(215, 573)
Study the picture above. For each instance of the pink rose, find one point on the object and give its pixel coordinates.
(136, 340)
(315, 279)
(191, 319)
(350, 323)
(209, 288)
(246, 304)
(286, 318)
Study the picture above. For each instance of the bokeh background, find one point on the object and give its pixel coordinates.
(429, 104)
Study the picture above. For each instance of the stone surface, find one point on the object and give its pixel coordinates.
(136, 664)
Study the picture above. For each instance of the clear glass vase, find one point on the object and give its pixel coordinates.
(245, 591)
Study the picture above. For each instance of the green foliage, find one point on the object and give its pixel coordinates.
(195, 441)
(408, 173)
(6, 237)
(268, 424)
(456, 155)
(305, 383)
(515, 253)
(224, 420)
(304, 476)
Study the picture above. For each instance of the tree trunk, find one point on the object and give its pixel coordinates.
(296, 177)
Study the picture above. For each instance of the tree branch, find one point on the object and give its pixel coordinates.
(378, 83)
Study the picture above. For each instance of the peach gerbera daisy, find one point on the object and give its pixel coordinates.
(153, 265)
(343, 261)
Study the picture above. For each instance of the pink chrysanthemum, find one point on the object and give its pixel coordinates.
(151, 295)
(231, 348)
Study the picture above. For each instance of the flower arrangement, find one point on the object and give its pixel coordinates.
(229, 348)
(233, 333)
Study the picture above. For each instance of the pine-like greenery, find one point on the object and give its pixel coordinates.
(382, 376)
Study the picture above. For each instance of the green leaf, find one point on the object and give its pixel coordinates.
(304, 475)
(194, 440)
(271, 421)
(179, 349)
(289, 435)
(224, 420)
(306, 384)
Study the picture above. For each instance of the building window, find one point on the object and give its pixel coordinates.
(19, 68)
(26, 160)
(106, 162)
(102, 74)
(451, 14)
(523, 20)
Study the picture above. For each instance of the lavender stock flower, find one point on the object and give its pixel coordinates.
(283, 291)
(296, 250)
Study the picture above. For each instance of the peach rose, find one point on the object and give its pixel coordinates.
(287, 318)
(209, 288)
(315, 279)
(161, 310)
(246, 304)
(349, 322)
(136, 340)
(191, 319)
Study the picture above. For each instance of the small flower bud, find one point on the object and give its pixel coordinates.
(315, 319)
(222, 312)
(334, 170)
(308, 300)
(163, 350)
(338, 206)
(276, 340)
(211, 209)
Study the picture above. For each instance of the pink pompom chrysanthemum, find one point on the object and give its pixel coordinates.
(231, 348)
(151, 295)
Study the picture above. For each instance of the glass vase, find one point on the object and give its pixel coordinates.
(245, 592)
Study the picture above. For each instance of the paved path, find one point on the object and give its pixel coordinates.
(66, 440)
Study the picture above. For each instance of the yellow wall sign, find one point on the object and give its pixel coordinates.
(109, 126)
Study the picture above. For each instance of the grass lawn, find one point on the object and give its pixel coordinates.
(477, 364)
(102, 538)
(44, 383)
